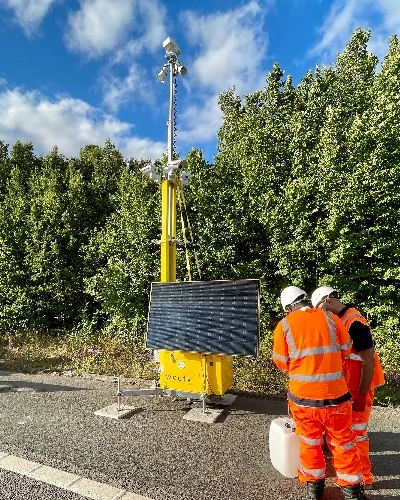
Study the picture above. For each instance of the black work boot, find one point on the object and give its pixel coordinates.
(354, 492)
(315, 489)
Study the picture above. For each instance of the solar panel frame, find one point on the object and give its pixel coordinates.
(212, 317)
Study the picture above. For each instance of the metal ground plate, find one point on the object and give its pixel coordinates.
(208, 416)
(112, 411)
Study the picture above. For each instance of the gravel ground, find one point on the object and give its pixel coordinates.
(13, 488)
(50, 419)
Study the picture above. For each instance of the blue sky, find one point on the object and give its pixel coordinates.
(76, 72)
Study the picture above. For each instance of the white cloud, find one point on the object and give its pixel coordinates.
(150, 29)
(390, 13)
(336, 30)
(68, 124)
(201, 122)
(28, 13)
(390, 25)
(136, 147)
(99, 26)
(118, 91)
(126, 32)
(345, 16)
(103, 26)
(232, 47)
(137, 83)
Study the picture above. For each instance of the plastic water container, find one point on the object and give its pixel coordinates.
(284, 446)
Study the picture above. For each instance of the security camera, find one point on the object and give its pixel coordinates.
(147, 170)
(151, 172)
(174, 165)
(177, 164)
(181, 69)
(171, 46)
(162, 74)
(185, 178)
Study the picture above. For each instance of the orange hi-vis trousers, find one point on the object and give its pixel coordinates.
(336, 422)
(360, 427)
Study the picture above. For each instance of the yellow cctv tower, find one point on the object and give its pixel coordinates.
(210, 325)
(187, 372)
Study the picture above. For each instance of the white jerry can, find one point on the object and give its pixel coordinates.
(284, 446)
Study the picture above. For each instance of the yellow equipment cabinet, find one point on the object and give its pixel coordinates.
(195, 372)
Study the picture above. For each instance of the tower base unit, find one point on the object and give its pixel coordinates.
(195, 372)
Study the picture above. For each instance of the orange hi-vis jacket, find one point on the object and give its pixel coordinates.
(310, 345)
(353, 362)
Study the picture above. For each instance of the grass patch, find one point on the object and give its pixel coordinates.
(258, 375)
(101, 354)
(117, 353)
(33, 353)
(389, 394)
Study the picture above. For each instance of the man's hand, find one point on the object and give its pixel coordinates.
(359, 401)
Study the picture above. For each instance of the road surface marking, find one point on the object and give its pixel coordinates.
(65, 480)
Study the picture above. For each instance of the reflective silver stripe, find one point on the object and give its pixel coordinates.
(354, 356)
(318, 473)
(332, 329)
(312, 351)
(345, 346)
(312, 442)
(350, 478)
(324, 377)
(279, 357)
(351, 316)
(289, 336)
(295, 353)
(360, 427)
(359, 439)
(346, 446)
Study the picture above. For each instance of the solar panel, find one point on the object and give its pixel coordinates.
(219, 317)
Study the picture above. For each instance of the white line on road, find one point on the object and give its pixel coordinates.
(65, 480)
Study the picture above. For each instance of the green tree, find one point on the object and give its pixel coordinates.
(124, 254)
(15, 298)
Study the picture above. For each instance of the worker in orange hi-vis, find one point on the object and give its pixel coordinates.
(362, 368)
(310, 345)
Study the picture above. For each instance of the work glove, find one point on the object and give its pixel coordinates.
(359, 401)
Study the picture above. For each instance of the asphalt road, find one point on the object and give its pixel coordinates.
(49, 419)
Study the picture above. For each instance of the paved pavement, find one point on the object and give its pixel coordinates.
(48, 424)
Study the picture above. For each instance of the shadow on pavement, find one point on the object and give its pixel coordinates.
(384, 462)
(384, 441)
(22, 386)
(388, 484)
(268, 405)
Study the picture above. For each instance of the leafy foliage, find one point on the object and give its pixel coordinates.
(123, 253)
(303, 191)
(50, 208)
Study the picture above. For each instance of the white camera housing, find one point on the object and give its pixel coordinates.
(171, 46)
(177, 164)
(147, 170)
(162, 74)
(185, 178)
(151, 172)
(174, 165)
(181, 69)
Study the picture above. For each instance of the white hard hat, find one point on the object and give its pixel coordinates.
(292, 295)
(320, 294)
